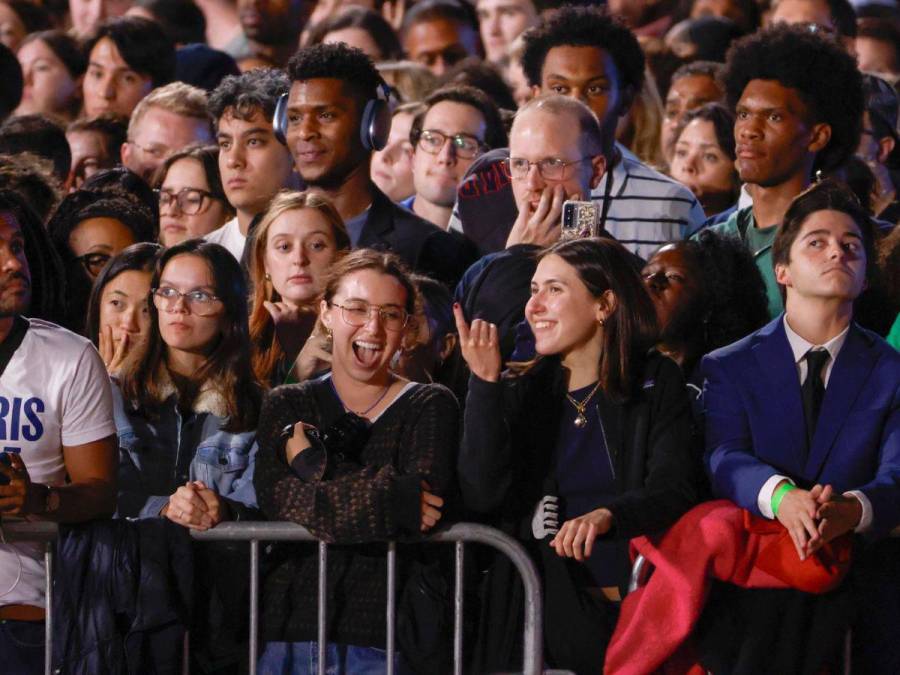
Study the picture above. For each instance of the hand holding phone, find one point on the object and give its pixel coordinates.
(580, 220)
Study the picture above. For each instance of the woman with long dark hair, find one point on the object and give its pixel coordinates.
(188, 402)
(118, 315)
(587, 447)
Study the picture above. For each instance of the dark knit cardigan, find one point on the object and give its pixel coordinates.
(352, 506)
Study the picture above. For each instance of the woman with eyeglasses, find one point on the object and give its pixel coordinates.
(294, 245)
(118, 316)
(707, 293)
(357, 456)
(187, 402)
(577, 452)
(87, 229)
(192, 202)
(186, 409)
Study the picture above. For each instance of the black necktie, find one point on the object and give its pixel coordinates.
(813, 390)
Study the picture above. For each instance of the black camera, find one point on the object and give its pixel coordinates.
(345, 438)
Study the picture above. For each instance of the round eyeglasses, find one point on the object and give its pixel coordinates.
(198, 301)
(357, 314)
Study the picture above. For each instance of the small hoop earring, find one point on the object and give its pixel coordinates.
(602, 322)
(268, 277)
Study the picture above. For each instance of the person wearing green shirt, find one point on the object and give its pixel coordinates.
(789, 125)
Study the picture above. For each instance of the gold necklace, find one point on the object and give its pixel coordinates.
(580, 419)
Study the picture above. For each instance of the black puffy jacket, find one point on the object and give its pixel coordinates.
(121, 597)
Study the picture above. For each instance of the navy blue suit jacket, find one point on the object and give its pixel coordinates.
(755, 426)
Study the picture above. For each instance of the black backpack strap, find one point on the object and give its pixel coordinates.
(9, 346)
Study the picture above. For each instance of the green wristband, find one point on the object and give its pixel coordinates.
(779, 494)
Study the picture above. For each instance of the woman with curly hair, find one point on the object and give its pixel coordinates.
(88, 229)
(707, 293)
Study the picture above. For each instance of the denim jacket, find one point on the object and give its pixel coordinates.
(159, 454)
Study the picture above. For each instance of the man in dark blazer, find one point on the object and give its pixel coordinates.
(331, 131)
(803, 416)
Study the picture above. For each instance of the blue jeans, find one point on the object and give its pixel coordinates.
(301, 658)
(22, 647)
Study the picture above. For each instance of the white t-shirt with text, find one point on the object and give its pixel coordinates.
(54, 392)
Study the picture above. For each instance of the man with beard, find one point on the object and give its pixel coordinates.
(59, 457)
(336, 116)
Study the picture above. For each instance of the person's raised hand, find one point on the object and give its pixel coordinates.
(293, 326)
(393, 12)
(797, 512)
(480, 346)
(186, 507)
(113, 353)
(540, 225)
(575, 538)
(315, 355)
(431, 508)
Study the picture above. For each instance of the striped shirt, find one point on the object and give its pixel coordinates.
(647, 209)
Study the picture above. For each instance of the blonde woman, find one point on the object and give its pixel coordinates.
(294, 246)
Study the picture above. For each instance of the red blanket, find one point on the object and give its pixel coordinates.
(715, 540)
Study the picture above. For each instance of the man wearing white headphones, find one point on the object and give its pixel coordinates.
(336, 115)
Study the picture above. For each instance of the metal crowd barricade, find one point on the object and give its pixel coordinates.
(458, 534)
(45, 533)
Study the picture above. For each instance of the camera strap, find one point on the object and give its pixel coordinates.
(607, 193)
(9, 346)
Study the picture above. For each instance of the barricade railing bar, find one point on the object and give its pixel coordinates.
(39, 532)
(458, 534)
(256, 532)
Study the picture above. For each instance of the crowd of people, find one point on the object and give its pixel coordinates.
(614, 278)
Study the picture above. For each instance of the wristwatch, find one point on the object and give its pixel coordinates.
(50, 502)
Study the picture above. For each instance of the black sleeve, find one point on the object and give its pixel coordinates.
(485, 459)
(671, 466)
(372, 503)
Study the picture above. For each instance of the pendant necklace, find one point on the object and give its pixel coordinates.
(580, 418)
(367, 410)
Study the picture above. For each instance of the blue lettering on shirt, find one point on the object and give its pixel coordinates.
(12, 426)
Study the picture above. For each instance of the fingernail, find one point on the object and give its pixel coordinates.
(455, 305)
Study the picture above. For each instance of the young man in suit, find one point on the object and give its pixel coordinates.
(803, 416)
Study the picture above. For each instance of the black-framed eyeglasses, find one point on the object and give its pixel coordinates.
(464, 145)
(357, 314)
(200, 302)
(189, 200)
(94, 262)
(550, 168)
